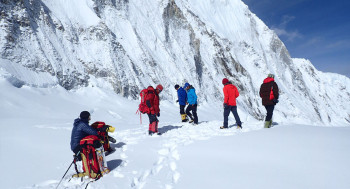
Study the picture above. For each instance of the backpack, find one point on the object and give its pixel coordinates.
(93, 158)
(143, 108)
(272, 96)
(145, 94)
(103, 129)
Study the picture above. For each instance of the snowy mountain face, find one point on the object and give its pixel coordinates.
(127, 45)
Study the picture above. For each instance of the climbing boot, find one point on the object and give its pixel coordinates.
(184, 117)
(267, 124)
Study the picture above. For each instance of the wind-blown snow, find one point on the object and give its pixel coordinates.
(78, 11)
(23, 76)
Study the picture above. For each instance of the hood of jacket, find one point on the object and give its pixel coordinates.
(78, 120)
(268, 80)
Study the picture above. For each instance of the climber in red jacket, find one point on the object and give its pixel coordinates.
(152, 101)
(230, 95)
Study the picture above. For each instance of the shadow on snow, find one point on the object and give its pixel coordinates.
(114, 164)
(118, 145)
(165, 129)
(114, 146)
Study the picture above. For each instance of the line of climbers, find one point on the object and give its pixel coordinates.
(90, 142)
(268, 93)
(187, 96)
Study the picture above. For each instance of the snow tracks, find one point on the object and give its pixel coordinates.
(143, 161)
(151, 161)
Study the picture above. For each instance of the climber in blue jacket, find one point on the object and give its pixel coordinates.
(182, 99)
(192, 103)
(81, 129)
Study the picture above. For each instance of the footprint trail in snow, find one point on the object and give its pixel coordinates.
(143, 161)
(164, 149)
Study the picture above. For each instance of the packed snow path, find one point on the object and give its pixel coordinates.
(143, 161)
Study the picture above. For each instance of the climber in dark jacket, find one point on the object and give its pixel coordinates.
(269, 96)
(80, 130)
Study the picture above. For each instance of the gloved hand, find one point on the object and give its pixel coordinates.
(177, 100)
(158, 114)
(225, 105)
(275, 100)
(77, 156)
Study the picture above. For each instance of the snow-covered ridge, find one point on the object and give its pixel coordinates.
(128, 45)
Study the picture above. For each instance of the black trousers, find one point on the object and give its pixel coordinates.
(182, 109)
(233, 109)
(269, 110)
(152, 118)
(192, 108)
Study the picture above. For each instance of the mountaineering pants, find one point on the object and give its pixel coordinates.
(153, 122)
(192, 108)
(269, 109)
(182, 109)
(227, 111)
(152, 118)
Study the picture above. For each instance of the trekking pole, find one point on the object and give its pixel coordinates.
(75, 157)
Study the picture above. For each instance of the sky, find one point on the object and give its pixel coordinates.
(317, 30)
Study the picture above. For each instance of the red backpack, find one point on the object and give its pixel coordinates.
(145, 94)
(143, 108)
(93, 158)
(272, 96)
(103, 129)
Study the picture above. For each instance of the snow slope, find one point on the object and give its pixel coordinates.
(36, 125)
(127, 45)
